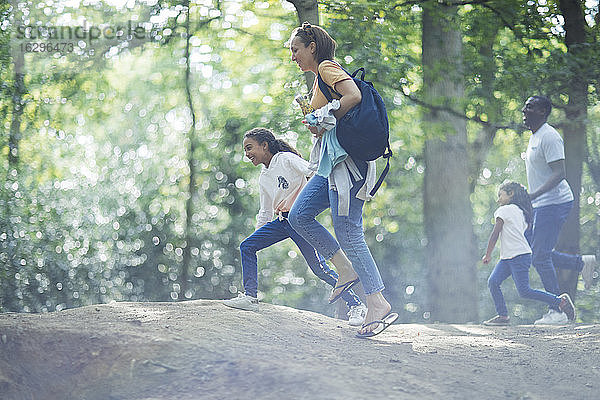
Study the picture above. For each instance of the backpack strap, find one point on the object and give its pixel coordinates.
(387, 155)
(326, 89)
(353, 75)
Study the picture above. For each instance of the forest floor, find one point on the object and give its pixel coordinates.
(202, 350)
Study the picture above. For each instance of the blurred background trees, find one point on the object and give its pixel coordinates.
(123, 176)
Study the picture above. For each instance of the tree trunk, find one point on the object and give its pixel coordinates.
(307, 10)
(593, 153)
(189, 204)
(11, 267)
(450, 261)
(18, 105)
(574, 133)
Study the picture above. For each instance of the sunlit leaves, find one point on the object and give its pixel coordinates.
(96, 212)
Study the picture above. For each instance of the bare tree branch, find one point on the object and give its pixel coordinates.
(483, 3)
(517, 127)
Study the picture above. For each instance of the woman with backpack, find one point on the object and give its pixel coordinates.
(341, 183)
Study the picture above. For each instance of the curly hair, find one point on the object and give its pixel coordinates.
(262, 135)
(520, 197)
(325, 45)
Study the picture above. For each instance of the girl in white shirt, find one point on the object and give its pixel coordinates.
(283, 175)
(513, 217)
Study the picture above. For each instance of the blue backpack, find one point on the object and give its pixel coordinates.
(364, 131)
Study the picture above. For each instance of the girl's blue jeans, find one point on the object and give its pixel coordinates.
(316, 198)
(518, 267)
(276, 231)
(547, 222)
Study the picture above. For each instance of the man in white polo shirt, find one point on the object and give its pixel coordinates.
(552, 201)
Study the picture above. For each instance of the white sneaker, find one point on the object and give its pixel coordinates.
(357, 314)
(243, 302)
(587, 273)
(552, 317)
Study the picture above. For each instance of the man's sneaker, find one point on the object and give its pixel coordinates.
(357, 314)
(243, 302)
(497, 321)
(587, 273)
(567, 306)
(553, 317)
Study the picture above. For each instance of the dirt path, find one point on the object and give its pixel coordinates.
(203, 350)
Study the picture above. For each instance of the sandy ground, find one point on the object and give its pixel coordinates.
(203, 350)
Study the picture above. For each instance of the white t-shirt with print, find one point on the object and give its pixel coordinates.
(545, 146)
(280, 184)
(512, 235)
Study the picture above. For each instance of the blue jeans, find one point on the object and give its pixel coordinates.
(276, 231)
(316, 198)
(547, 222)
(518, 267)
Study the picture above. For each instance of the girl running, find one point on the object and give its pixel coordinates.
(284, 174)
(513, 217)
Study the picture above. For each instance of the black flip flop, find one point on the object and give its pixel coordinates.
(345, 287)
(384, 322)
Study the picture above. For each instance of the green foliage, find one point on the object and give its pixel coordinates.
(95, 210)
